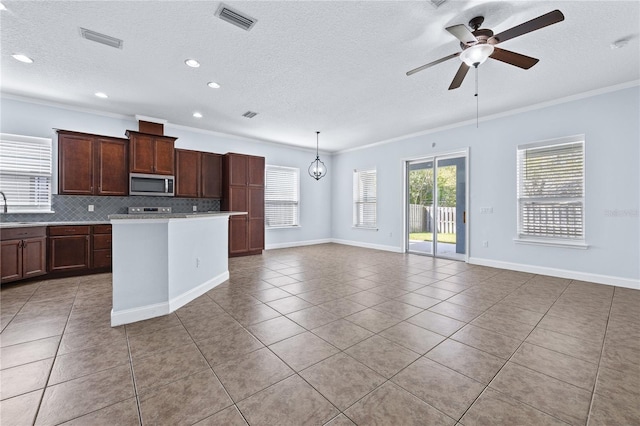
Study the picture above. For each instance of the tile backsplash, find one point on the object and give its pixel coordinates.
(74, 208)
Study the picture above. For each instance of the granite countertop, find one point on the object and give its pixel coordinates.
(172, 215)
(34, 224)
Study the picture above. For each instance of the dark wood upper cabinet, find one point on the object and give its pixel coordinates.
(111, 172)
(211, 175)
(243, 190)
(255, 171)
(187, 173)
(151, 154)
(198, 174)
(237, 173)
(75, 164)
(92, 165)
(164, 156)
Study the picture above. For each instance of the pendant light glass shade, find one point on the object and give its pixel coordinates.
(317, 169)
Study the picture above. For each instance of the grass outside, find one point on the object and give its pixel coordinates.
(428, 236)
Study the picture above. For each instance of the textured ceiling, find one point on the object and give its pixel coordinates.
(334, 66)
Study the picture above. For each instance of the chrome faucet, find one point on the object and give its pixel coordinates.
(5, 201)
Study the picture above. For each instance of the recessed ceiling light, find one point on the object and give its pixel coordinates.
(101, 95)
(22, 58)
(197, 115)
(213, 85)
(192, 63)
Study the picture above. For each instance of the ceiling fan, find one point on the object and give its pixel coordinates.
(480, 44)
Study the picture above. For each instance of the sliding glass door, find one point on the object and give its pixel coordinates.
(436, 206)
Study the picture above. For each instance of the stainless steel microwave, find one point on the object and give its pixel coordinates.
(156, 185)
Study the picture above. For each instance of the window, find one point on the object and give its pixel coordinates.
(25, 173)
(282, 194)
(364, 198)
(551, 190)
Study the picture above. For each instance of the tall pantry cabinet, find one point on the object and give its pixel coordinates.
(243, 190)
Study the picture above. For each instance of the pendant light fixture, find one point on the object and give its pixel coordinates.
(317, 169)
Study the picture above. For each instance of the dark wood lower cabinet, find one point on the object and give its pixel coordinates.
(23, 253)
(238, 235)
(69, 250)
(34, 259)
(101, 235)
(11, 263)
(69, 253)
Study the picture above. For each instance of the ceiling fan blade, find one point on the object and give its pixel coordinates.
(462, 33)
(513, 58)
(532, 25)
(430, 64)
(460, 75)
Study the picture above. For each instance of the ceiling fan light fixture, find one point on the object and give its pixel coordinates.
(476, 55)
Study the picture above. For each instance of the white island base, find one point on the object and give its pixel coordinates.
(162, 262)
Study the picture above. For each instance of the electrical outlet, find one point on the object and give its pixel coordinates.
(197, 262)
(486, 210)
(391, 234)
(485, 244)
(91, 208)
(195, 208)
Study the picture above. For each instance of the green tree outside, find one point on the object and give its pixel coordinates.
(421, 186)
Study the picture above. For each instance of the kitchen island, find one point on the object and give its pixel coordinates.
(163, 261)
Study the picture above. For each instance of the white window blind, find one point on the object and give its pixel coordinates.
(364, 199)
(551, 190)
(281, 196)
(25, 173)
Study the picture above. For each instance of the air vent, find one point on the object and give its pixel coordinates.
(249, 114)
(234, 17)
(437, 3)
(101, 38)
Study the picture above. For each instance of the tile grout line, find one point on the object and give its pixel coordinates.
(508, 360)
(234, 404)
(46, 385)
(604, 340)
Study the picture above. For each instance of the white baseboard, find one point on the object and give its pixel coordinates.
(561, 273)
(297, 244)
(334, 240)
(127, 316)
(184, 298)
(368, 245)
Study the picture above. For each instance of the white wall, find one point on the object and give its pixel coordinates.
(610, 123)
(20, 116)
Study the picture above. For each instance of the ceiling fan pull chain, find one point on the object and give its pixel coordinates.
(477, 98)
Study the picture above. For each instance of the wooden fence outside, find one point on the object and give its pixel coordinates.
(422, 219)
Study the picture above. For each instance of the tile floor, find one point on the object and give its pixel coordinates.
(328, 334)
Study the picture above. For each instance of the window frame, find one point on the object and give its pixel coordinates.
(546, 240)
(46, 173)
(296, 217)
(356, 199)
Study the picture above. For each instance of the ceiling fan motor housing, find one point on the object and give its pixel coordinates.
(483, 36)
